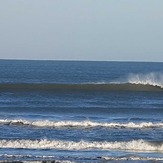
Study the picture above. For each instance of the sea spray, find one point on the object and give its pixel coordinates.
(153, 78)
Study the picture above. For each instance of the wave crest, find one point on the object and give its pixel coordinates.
(153, 79)
(136, 145)
(80, 124)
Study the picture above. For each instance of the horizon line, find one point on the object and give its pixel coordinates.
(78, 60)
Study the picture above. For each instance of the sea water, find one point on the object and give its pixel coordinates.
(73, 111)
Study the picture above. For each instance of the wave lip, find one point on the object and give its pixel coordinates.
(134, 145)
(80, 124)
(153, 79)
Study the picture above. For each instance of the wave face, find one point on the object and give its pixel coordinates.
(135, 145)
(80, 124)
(133, 85)
(134, 82)
(153, 79)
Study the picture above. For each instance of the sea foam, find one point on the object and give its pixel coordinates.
(135, 145)
(80, 124)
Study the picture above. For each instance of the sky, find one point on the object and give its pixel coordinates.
(109, 30)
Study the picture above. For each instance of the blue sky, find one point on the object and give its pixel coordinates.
(120, 30)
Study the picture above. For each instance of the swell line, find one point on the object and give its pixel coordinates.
(79, 124)
(136, 145)
(79, 87)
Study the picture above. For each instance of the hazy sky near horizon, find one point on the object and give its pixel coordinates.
(120, 30)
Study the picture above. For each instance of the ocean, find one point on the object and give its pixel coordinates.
(81, 111)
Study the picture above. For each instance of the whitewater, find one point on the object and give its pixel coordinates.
(136, 145)
(152, 78)
(75, 112)
(80, 124)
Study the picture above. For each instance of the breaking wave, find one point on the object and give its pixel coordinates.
(153, 79)
(134, 82)
(135, 145)
(80, 124)
(131, 85)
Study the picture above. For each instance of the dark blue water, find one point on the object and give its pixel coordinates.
(81, 111)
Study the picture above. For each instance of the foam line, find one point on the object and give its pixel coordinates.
(80, 124)
(135, 145)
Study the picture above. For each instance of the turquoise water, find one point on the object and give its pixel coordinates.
(81, 111)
